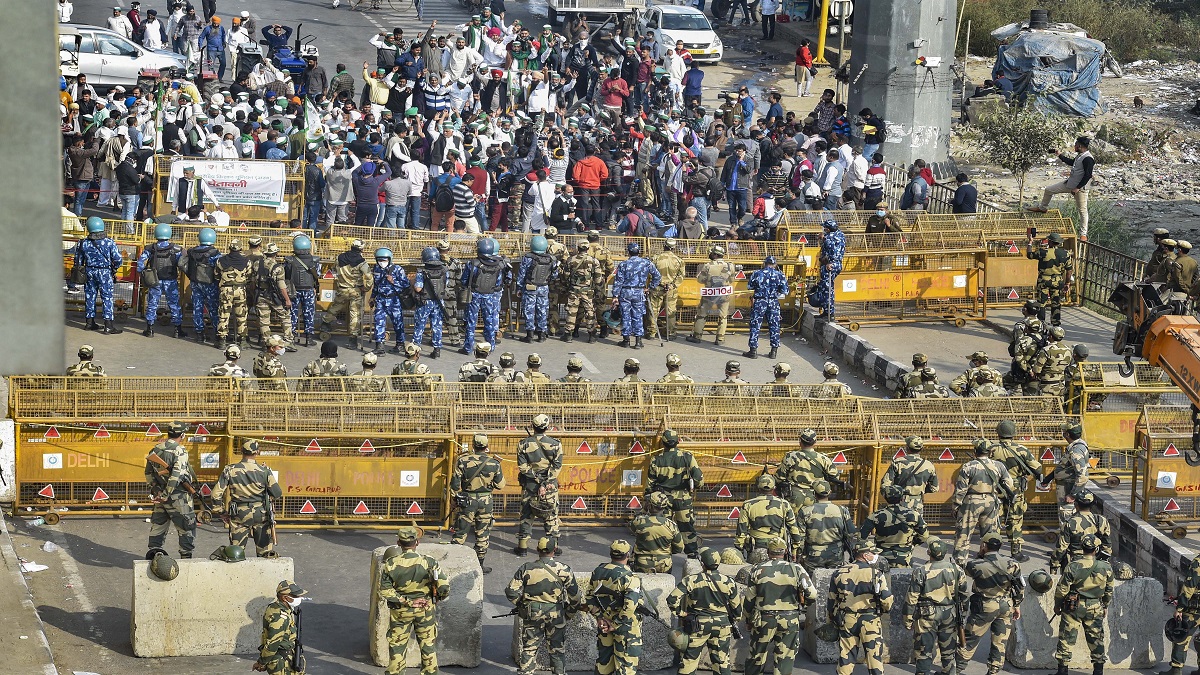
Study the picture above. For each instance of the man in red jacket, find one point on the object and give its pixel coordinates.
(587, 175)
(614, 91)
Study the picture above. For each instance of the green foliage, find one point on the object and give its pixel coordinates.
(1018, 139)
(1106, 226)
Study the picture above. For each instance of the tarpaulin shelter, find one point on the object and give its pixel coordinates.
(1056, 72)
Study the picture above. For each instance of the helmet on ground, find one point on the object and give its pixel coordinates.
(95, 224)
(486, 246)
(551, 231)
(765, 482)
(383, 253)
(1039, 581)
(670, 438)
(709, 558)
(541, 421)
(302, 243)
(162, 565)
(391, 552)
(207, 236)
(679, 639)
(1006, 429)
(827, 633)
(1122, 571)
(162, 231)
(633, 248)
(539, 244)
(660, 500)
(229, 553)
(732, 556)
(893, 494)
(430, 254)
(612, 317)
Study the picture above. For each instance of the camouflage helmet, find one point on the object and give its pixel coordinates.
(733, 366)
(482, 349)
(668, 244)
(533, 359)
(86, 351)
(776, 545)
(162, 565)
(808, 436)
(542, 505)
(732, 556)
(914, 443)
(391, 552)
(408, 535)
(176, 428)
(920, 360)
(678, 639)
(830, 369)
(235, 245)
(985, 375)
(479, 441)
(1090, 542)
(659, 500)
(443, 245)
(250, 447)
(709, 558)
(275, 340)
(228, 553)
(271, 248)
(541, 421)
(892, 494)
(716, 251)
(982, 446)
(1057, 332)
(574, 363)
(821, 488)
(1084, 497)
(670, 438)
(827, 633)
(547, 545)
(765, 482)
(783, 368)
(980, 356)
(1033, 324)
(1039, 581)
(619, 548)
(233, 352)
(1006, 429)
(929, 374)
(370, 360)
(673, 360)
(1054, 238)
(937, 549)
(743, 575)
(1122, 571)
(357, 245)
(508, 359)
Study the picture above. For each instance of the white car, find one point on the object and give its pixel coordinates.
(670, 23)
(108, 59)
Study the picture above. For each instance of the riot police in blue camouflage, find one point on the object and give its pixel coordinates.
(303, 277)
(98, 256)
(202, 273)
(630, 281)
(485, 278)
(430, 287)
(538, 269)
(833, 250)
(159, 267)
(769, 286)
(390, 282)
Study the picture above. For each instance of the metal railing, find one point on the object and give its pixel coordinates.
(941, 197)
(1100, 269)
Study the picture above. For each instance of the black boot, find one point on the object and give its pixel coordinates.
(603, 330)
(437, 351)
(179, 332)
(395, 348)
(220, 343)
(91, 324)
(773, 353)
(528, 337)
(692, 338)
(752, 354)
(1097, 669)
(569, 336)
(638, 342)
(1062, 669)
(624, 341)
(541, 337)
(241, 342)
(149, 332)
(483, 567)
(200, 337)
(354, 342)
(308, 341)
(289, 347)
(109, 328)
(521, 549)
(464, 350)
(590, 336)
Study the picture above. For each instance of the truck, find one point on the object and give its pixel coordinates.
(560, 10)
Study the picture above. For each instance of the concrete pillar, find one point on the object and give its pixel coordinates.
(914, 101)
(31, 270)
(211, 608)
(897, 641)
(459, 616)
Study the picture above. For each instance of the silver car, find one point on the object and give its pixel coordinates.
(108, 59)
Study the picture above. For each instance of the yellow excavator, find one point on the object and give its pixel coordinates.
(1159, 327)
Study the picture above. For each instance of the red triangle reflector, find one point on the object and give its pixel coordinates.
(366, 447)
(1172, 505)
(636, 448)
(201, 430)
(735, 513)
(100, 495)
(724, 491)
(205, 490)
(737, 315)
(935, 437)
(102, 433)
(52, 432)
(1014, 295)
(946, 455)
(47, 492)
(313, 446)
(361, 509)
(662, 312)
(242, 227)
(840, 458)
(1047, 456)
(414, 509)
(579, 504)
(152, 430)
(634, 503)
(328, 274)
(583, 449)
(739, 458)
(1013, 249)
(900, 454)
(802, 240)
(1171, 451)
(308, 508)
(740, 276)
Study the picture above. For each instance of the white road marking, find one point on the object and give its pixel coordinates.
(73, 577)
(587, 364)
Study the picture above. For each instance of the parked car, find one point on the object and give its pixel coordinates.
(109, 59)
(676, 22)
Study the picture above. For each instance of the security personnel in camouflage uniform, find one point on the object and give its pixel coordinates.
(86, 366)
(475, 477)
(777, 591)
(605, 257)
(674, 473)
(1187, 610)
(1029, 310)
(827, 531)
(352, 281)
(233, 272)
(584, 278)
(987, 385)
(782, 387)
(1082, 523)
(366, 380)
(241, 499)
(172, 500)
(716, 277)
(230, 367)
(412, 583)
(895, 528)
(764, 518)
(655, 536)
(964, 384)
(831, 387)
(539, 459)
(453, 298)
(858, 597)
(912, 379)
(1021, 466)
(326, 366)
(913, 474)
(982, 483)
(1024, 349)
(998, 590)
(574, 368)
(274, 298)
(733, 375)
(267, 365)
(281, 631)
(508, 370)
(479, 369)
(1049, 365)
(1055, 268)
(665, 296)
(614, 594)
(1078, 372)
(681, 384)
(533, 370)
(1071, 473)
(937, 593)
(559, 251)
(1081, 599)
(708, 605)
(929, 387)
(411, 364)
(547, 596)
(799, 469)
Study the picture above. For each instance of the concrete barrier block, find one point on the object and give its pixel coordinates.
(229, 599)
(459, 616)
(1133, 629)
(820, 651)
(897, 641)
(581, 630)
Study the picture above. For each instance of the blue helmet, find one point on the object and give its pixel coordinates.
(208, 236)
(487, 246)
(428, 254)
(769, 260)
(302, 243)
(830, 224)
(162, 231)
(95, 224)
(381, 253)
(539, 244)
(633, 248)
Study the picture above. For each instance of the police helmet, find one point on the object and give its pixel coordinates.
(229, 553)
(233, 352)
(541, 421)
(1084, 497)
(302, 243)
(1006, 429)
(95, 224)
(1080, 352)
(207, 236)
(430, 254)
(383, 254)
(670, 438)
(1033, 324)
(732, 556)
(920, 359)
(486, 246)
(612, 317)
(733, 366)
(508, 359)
(162, 565)
(914, 443)
(1057, 332)
(709, 558)
(808, 436)
(668, 244)
(357, 245)
(633, 248)
(482, 349)
(673, 360)
(539, 244)
(830, 369)
(765, 482)
(479, 441)
(370, 360)
(1039, 581)
(1055, 238)
(830, 224)
(893, 494)
(162, 231)
(769, 260)
(783, 368)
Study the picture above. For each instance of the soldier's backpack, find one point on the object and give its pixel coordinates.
(487, 275)
(435, 280)
(236, 276)
(163, 263)
(539, 273)
(200, 270)
(302, 272)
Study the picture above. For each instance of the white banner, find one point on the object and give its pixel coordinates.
(236, 182)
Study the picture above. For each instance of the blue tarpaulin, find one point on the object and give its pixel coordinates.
(1056, 72)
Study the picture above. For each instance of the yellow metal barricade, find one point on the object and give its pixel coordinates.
(293, 190)
(1166, 487)
(128, 235)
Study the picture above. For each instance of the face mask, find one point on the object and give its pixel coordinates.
(871, 559)
(881, 213)
(229, 144)
(294, 603)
